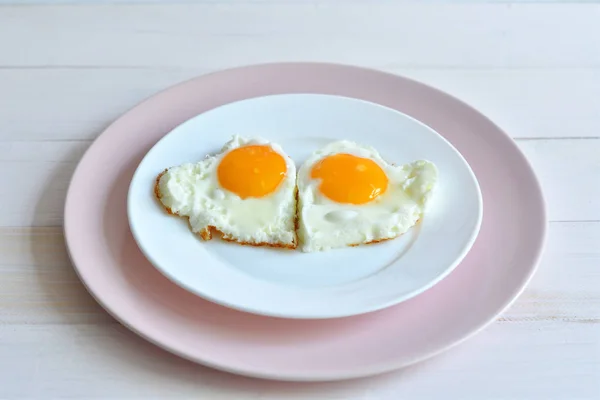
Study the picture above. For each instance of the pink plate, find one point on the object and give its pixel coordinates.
(112, 267)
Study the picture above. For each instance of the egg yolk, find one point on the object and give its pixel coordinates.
(349, 179)
(251, 171)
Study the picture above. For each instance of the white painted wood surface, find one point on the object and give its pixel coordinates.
(67, 70)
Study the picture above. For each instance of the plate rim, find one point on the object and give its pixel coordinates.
(363, 372)
(466, 246)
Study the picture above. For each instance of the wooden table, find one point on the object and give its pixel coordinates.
(67, 70)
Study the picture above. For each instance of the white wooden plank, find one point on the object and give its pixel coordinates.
(546, 361)
(273, 2)
(36, 177)
(531, 103)
(40, 286)
(569, 171)
(65, 104)
(565, 287)
(39, 283)
(75, 103)
(220, 35)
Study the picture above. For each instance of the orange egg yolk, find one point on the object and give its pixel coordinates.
(251, 171)
(349, 179)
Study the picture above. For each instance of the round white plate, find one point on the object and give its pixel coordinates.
(293, 284)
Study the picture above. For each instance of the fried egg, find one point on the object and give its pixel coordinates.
(247, 193)
(348, 195)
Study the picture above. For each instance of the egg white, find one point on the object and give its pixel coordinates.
(325, 224)
(193, 190)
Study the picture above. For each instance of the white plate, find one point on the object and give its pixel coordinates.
(293, 284)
